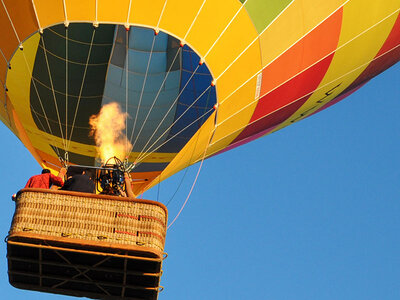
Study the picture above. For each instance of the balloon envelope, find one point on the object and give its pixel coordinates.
(196, 77)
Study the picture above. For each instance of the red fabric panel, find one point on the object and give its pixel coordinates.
(291, 79)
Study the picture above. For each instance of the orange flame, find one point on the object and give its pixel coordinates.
(107, 128)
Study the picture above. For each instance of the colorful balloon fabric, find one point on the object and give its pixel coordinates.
(196, 77)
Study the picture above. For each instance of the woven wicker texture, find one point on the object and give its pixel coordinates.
(90, 218)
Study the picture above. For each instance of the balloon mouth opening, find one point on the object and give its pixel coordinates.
(162, 85)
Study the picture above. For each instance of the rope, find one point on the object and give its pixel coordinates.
(154, 101)
(281, 53)
(162, 13)
(27, 64)
(129, 12)
(79, 42)
(223, 31)
(185, 173)
(5, 59)
(193, 122)
(158, 188)
(148, 153)
(166, 114)
(36, 15)
(81, 89)
(158, 93)
(194, 20)
(258, 36)
(71, 61)
(179, 186)
(320, 87)
(65, 12)
(126, 85)
(62, 93)
(42, 107)
(172, 105)
(141, 93)
(332, 52)
(52, 90)
(194, 182)
(11, 22)
(66, 82)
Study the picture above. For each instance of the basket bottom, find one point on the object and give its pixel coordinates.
(94, 273)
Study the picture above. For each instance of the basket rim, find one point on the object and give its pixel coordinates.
(95, 196)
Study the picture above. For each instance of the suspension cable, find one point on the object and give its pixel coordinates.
(28, 67)
(143, 87)
(81, 89)
(310, 93)
(143, 157)
(158, 93)
(176, 120)
(53, 93)
(66, 82)
(195, 180)
(166, 114)
(300, 72)
(126, 85)
(185, 173)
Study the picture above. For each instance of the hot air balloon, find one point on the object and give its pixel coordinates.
(194, 78)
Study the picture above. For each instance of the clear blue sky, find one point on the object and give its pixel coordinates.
(310, 212)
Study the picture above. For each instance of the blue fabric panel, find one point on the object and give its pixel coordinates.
(161, 106)
(152, 90)
(198, 92)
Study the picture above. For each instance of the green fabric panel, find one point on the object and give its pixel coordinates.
(263, 12)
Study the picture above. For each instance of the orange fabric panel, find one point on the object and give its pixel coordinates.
(3, 71)
(140, 186)
(23, 17)
(49, 12)
(303, 54)
(47, 159)
(8, 41)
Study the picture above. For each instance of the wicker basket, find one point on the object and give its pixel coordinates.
(86, 231)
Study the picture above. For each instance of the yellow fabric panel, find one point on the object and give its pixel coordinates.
(233, 116)
(25, 139)
(242, 98)
(240, 34)
(153, 157)
(49, 12)
(354, 53)
(242, 69)
(112, 11)
(146, 12)
(179, 15)
(19, 79)
(204, 33)
(81, 10)
(298, 19)
(18, 82)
